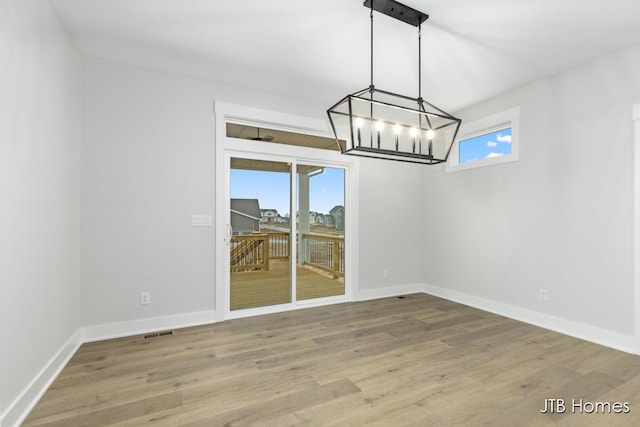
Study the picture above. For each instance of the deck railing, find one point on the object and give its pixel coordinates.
(249, 252)
(321, 251)
(279, 244)
(325, 253)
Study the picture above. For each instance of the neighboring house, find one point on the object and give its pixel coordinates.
(338, 217)
(328, 220)
(335, 218)
(270, 215)
(245, 216)
(313, 217)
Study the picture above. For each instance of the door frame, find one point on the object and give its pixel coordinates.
(635, 112)
(227, 147)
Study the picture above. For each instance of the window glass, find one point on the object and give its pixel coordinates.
(485, 146)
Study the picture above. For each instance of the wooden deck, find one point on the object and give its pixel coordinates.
(250, 289)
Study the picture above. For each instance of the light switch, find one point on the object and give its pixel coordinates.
(201, 220)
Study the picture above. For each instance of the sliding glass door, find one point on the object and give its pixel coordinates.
(277, 256)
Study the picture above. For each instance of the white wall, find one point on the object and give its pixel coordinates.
(561, 217)
(39, 199)
(391, 223)
(147, 154)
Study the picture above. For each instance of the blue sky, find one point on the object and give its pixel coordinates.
(272, 189)
(492, 144)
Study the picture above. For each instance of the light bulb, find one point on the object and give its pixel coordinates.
(396, 130)
(358, 124)
(379, 125)
(413, 132)
(430, 134)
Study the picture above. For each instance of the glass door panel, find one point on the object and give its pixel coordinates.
(321, 227)
(260, 247)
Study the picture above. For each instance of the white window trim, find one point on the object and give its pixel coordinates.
(505, 119)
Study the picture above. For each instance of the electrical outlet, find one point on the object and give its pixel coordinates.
(385, 273)
(544, 295)
(145, 298)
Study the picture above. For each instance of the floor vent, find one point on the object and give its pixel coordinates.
(158, 334)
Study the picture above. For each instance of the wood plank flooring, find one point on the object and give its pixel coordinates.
(412, 361)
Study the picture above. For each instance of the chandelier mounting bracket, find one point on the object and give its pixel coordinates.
(398, 10)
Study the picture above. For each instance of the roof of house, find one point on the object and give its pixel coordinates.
(249, 207)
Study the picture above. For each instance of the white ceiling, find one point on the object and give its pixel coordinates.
(318, 51)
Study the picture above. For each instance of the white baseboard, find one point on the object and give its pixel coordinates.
(17, 411)
(391, 291)
(143, 326)
(579, 330)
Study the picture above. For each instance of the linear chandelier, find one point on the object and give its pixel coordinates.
(380, 124)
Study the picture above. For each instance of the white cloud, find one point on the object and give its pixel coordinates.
(504, 138)
(492, 143)
(490, 155)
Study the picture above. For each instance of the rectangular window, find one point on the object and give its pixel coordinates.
(485, 146)
(488, 141)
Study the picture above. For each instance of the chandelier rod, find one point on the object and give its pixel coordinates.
(371, 19)
(420, 64)
(371, 83)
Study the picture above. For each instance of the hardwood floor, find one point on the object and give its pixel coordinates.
(412, 361)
